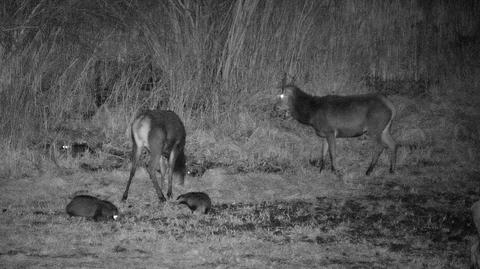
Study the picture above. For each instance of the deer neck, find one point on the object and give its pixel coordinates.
(301, 106)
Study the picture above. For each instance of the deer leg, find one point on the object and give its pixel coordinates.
(152, 168)
(171, 165)
(180, 155)
(388, 141)
(331, 150)
(376, 153)
(163, 169)
(136, 151)
(324, 154)
(393, 159)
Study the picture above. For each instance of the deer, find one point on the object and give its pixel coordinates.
(336, 116)
(162, 133)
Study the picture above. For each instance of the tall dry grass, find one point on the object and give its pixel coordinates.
(216, 62)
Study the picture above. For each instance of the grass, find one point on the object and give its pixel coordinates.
(292, 217)
(66, 80)
(375, 222)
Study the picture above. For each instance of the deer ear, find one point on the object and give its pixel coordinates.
(281, 93)
(284, 80)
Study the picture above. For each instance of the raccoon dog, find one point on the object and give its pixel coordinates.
(92, 207)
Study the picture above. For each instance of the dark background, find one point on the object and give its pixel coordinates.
(82, 68)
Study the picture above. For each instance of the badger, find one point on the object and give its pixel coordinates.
(196, 201)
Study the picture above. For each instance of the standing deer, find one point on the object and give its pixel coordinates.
(335, 116)
(163, 134)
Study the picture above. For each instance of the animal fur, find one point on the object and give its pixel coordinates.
(162, 133)
(335, 116)
(196, 201)
(92, 207)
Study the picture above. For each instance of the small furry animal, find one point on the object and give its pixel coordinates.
(77, 149)
(196, 201)
(475, 250)
(92, 207)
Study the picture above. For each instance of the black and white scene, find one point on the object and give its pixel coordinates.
(240, 134)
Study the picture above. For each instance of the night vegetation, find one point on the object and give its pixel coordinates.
(73, 75)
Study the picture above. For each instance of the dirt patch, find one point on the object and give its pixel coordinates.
(406, 220)
(398, 222)
(399, 216)
(196, 168)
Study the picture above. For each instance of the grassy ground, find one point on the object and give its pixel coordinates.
(78, 71)
(272, 209)
(417, 218)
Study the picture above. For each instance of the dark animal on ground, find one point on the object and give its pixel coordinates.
(198, 168)
(76, 149)
(162, 133)
(475, 250)
(335, 116)
(92, 207)
(196, 201)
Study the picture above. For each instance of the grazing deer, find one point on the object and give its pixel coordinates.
(335, 116)
(92, 207)
(163, 134)
(475, 250)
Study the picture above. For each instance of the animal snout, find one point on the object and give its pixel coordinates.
(280, 109)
